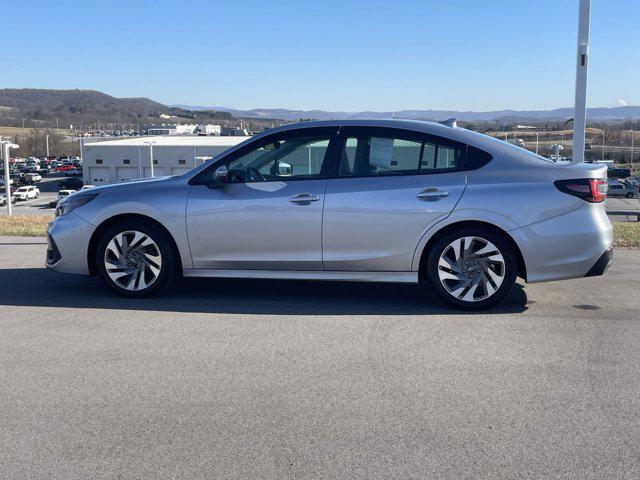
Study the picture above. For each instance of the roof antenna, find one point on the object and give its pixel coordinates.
(449, 122)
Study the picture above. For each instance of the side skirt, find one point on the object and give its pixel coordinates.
(393, 277)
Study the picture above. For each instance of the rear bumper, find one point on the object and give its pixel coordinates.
(602, 264)
(573, 245)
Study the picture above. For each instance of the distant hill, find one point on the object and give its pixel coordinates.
(40, 107)
(603, 114)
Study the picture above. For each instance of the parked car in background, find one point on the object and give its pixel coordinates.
(11, 180)
(633, 182)
(31, 168)
(71, 183)
(73, 172)
(64, 167)
(62, 194)
(617, 172)
(35, 177)
(26, 193)
(358, 200)
(3, 200)
(619, 189)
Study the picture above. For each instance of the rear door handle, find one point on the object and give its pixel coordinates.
(304, 198)
(432, 193)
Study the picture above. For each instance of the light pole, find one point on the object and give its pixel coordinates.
(5, 155)
(46, 137)
(151, 155)
(580, 108)
(632, 135)
(537, 142)
(603, 135)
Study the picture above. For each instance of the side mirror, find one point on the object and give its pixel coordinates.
(220, 177)
(221, 174)
(285, 169)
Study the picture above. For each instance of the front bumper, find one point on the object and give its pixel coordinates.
(69, 237)
(566, 246)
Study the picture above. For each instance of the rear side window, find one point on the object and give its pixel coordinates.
(476, 158)
(438, 157)
(371, 155)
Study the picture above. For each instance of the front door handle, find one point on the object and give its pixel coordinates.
(304, 198)
(432, 194)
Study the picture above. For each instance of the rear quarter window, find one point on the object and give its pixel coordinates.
(476, 158)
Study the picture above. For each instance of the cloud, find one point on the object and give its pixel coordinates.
(622, 103)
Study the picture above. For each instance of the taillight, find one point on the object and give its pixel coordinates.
(592, 190)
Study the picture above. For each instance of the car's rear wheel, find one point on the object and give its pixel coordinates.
(136, 259)
(472, 268)
(629, 195)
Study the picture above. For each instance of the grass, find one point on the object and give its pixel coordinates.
(24, 225)
(12, 131)
(625, 234)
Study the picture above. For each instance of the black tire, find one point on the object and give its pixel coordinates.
(510, 266)
(629, 195)
(169, 268)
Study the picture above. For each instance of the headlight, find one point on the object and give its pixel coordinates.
(70, 203)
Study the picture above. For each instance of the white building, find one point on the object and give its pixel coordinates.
(128, 159)
(209, 129)
(186, 129)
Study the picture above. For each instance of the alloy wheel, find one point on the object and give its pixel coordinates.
(471, 268)
(132, 260)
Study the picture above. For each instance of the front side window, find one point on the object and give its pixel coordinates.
(292, 158)
(369, 156)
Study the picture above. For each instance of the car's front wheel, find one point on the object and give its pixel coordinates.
(472, 268)
(136, 259)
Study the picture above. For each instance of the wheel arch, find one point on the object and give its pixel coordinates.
(100, 229)
(422, 275)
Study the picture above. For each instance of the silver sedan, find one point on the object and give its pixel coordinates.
(461, 213)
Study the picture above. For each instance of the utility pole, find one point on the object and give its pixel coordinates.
(537, 142)
(603, 135)
(580, 115)
(151, 156)
(47, 141)
(7, 179)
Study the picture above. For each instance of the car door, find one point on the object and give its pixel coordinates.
(268, 214)
(387, 189)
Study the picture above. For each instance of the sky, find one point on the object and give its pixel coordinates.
(331, 55)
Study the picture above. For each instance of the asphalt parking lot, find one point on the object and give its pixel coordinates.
(274, 379)
(39, 206)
